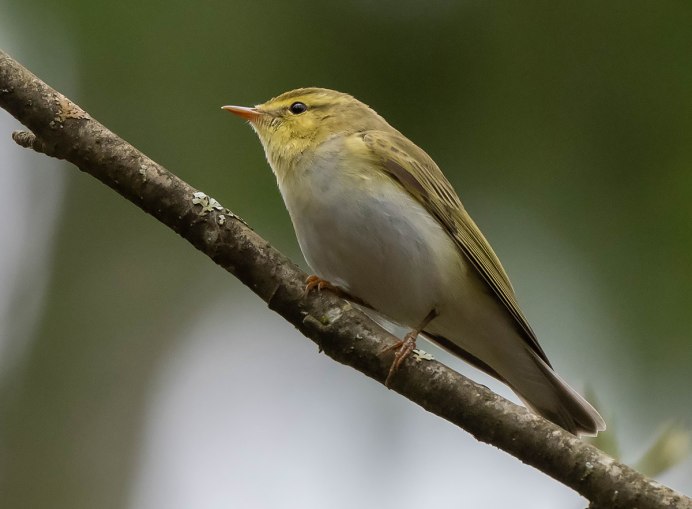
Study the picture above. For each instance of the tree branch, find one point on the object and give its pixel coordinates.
(63, 130)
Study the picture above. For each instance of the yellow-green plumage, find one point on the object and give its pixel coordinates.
(375, 215)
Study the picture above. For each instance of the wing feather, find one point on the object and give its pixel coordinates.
(420, 176)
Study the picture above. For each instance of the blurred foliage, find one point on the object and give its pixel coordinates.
(559, 117)
(669, 448)
(672, 446)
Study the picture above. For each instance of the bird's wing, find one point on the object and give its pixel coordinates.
(421, 178)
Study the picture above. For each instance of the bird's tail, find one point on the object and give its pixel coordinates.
(535, 382)
(550, 396)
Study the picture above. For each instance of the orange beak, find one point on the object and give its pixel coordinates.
(250, 114)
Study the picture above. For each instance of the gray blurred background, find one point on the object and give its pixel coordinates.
(136, 374)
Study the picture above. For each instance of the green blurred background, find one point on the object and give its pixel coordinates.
(564, 126)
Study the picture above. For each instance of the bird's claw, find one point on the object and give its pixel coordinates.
(315, 282)
(403, 349)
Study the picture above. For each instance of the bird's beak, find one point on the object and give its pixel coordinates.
(250, 114)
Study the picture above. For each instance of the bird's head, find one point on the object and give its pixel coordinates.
(294, 124)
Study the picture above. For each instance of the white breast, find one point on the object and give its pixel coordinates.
(365, 233)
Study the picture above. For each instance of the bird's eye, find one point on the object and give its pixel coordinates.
(297, 108)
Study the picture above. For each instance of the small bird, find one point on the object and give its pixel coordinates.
(378, 222)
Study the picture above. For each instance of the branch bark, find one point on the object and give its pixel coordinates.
(61, 129)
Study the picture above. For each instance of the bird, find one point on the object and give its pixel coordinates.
(377, 221)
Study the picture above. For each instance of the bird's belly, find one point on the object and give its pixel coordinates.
(379, 244)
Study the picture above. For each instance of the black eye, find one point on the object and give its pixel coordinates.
(297, 108)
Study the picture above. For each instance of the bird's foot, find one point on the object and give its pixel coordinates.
(402, 349)
(315, 282)
(407, 345)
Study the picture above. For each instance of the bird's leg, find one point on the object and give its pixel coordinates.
(315, 282)
(404, 347)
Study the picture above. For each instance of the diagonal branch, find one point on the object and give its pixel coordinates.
(61, 129)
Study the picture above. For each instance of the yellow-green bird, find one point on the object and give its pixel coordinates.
(376, 218)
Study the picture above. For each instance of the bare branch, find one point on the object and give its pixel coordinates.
(62, 129)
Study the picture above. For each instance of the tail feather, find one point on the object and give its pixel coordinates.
(559, 403)
(538, 386)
